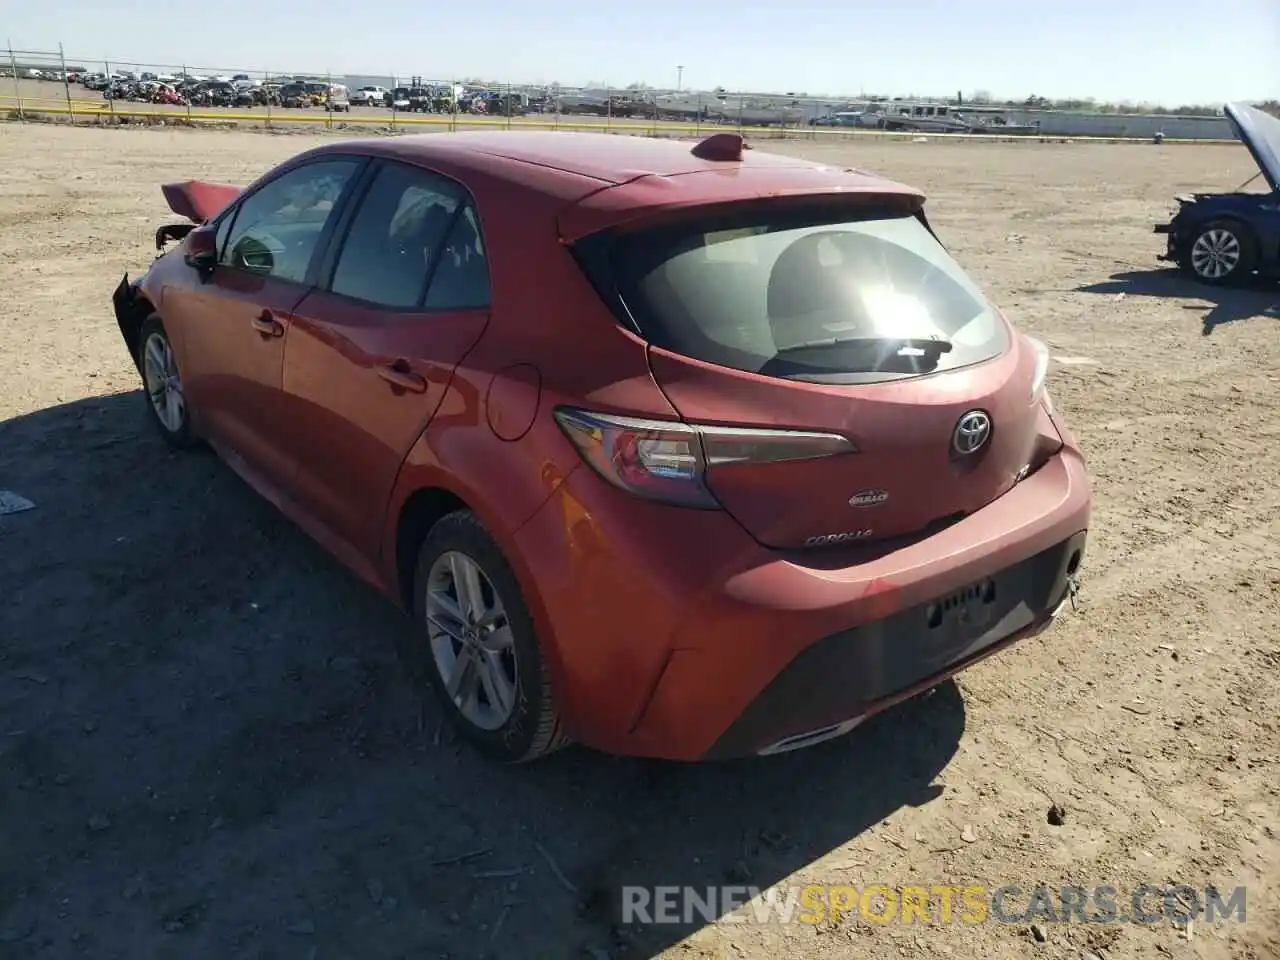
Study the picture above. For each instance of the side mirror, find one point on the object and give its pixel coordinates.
(201, 251)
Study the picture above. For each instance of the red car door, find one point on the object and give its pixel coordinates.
(234, 323)
(371, 351)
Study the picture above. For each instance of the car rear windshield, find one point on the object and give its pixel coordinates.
(827, 298)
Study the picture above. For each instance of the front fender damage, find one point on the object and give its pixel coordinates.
(132, 309)
(131, 303)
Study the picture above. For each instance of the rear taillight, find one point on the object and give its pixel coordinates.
(668, 461)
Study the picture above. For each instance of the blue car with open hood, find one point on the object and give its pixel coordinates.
(1223, 238)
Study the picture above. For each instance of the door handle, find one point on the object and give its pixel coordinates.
(268, 326)
(398, 374)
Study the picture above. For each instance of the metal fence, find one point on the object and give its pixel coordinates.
(37, 84)
(42, 82)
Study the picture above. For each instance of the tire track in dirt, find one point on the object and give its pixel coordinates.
(1197, 556)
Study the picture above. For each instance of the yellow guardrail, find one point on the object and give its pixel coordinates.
(139, 111)
(38, 103)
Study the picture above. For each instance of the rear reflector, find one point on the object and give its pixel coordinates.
(667, 461)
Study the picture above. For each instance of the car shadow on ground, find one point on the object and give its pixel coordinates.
(1228, 304)
(207, 748)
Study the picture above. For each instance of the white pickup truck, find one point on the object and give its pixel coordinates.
(370, 97)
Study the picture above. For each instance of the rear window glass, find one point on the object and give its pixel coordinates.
(844, 300)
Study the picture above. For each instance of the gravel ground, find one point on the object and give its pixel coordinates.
(207, 749)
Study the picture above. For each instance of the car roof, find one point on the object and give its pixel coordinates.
(602, 180)
(610, 159)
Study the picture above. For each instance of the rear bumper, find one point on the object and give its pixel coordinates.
(836, 683)
(673, 634)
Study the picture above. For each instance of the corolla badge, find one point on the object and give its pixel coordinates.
(971, 433)
(833, 538)
(868, 498)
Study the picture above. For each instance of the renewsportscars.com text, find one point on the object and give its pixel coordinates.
(933, 904)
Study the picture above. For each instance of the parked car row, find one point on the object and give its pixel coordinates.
(235, 92)
(298, 92)
(35, 73)
(185, 88)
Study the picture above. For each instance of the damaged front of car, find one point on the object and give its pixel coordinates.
(1221, 238)
(134, 298)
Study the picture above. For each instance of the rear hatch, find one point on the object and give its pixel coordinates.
(845, 321)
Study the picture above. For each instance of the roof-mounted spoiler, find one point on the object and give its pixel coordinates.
(721, 147)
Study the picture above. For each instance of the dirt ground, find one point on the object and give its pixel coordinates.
(207, 749)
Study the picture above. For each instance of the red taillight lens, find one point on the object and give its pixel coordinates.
(654, 459)
(668, 461)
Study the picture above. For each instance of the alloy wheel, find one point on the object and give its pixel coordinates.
(471, 641)
(164, 385)
(1215, 254)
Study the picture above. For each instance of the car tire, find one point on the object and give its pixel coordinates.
(1220, 252)
(509, 657)
(162, 388)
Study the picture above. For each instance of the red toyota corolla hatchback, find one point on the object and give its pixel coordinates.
(679, 450)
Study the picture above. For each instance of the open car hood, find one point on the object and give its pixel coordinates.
(1261, 134)
(197, 200)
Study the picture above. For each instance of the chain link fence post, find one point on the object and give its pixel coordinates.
(17, 83)
(110, 88)
(66, 85)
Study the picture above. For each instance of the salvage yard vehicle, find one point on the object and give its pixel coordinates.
(336, 99)
(318, 91)
(371, 96)
(1227, 238)
(214, 93)
(664, 461)
(165, 94)
(295, 95)
(267, 95)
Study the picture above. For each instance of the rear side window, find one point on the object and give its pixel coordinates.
(395, 237)
(824, 299)
(461, 280)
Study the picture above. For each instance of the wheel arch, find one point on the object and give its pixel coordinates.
(1247, 232)
(132, 311)
(1194, 229)
(421, 511)
(420, 507)
(421, 502)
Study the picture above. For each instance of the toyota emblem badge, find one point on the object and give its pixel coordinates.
(972, 433)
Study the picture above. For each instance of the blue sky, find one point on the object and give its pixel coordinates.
(1169, 51)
